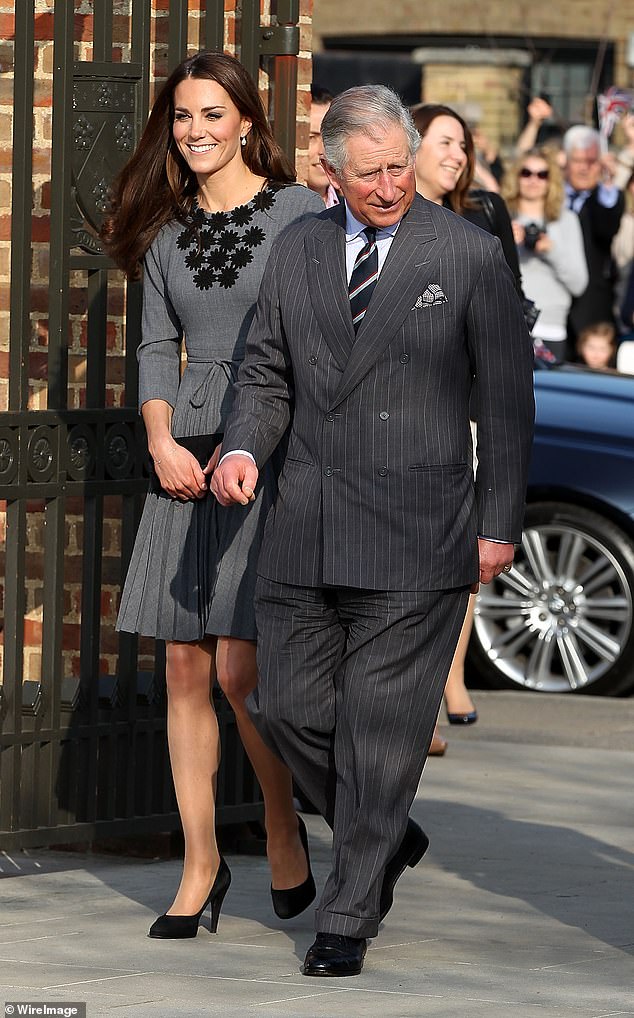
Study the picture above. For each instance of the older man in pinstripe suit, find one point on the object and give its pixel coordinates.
(379, 530)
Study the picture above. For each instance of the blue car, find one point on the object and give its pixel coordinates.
(562, 620)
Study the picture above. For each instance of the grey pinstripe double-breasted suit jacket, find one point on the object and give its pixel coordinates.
(377, 487)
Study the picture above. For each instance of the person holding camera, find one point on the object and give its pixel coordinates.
(549, 242)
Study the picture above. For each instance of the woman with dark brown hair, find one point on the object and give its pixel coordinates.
(445, 167)
(196, 210)
(445, 164)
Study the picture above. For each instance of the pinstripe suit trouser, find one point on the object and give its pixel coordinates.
(349, 691)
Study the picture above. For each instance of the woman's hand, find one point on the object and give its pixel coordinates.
(627, 124)
(539, 110)
(179, 473)
(213, 461)
(608, 168)
(543, 244)
(518, 232)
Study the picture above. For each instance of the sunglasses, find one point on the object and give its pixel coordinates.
(542, 174)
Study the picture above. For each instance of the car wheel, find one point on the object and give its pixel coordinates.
(562, 620)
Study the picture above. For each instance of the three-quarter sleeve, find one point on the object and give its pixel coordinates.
(161, 333)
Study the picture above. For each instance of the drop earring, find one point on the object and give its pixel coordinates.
(243, 140)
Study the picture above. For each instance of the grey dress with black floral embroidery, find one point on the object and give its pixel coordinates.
(193, 566)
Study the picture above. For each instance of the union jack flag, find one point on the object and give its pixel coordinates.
(611, 106)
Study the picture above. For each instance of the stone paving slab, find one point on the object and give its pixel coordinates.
(521, 908)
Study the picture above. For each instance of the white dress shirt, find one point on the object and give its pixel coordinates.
(356, 241)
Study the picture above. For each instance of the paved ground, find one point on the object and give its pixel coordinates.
(522, 908)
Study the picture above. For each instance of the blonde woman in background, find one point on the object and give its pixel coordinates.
(549, 242)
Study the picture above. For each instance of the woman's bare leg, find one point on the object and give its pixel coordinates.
(192, 732)
(457, 697)
(237, 676)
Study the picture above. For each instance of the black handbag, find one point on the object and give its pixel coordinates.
(202, 447)
(531, 312)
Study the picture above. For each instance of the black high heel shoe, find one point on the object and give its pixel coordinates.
(290, 902)
(179, 927)
(468, 718)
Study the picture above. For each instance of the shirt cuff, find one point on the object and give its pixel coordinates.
(608, 195)
(236, 452)
(481, 537)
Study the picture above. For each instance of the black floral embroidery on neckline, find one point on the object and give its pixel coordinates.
(220, 244)
(264, 200)
(217, 220)
(242, 216)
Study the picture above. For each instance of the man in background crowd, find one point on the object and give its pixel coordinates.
(591, 193)
(317, 179)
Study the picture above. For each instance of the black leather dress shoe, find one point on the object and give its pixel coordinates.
(410, 851)
(335, 955)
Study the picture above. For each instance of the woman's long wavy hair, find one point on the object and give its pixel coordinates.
(423, 115)
(554, 200)
(157, 186)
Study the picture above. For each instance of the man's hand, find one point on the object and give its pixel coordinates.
(234, 480)
(493, 559)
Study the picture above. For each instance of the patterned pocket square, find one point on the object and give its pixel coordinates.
(432, 295)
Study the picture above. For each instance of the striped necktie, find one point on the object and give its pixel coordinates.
(364, 276)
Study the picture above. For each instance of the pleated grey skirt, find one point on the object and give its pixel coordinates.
(193, 567)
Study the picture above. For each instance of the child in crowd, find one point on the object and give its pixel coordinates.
(596, 345)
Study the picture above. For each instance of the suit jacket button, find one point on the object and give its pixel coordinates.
(384, 415)
(312, 360)
(330, 417)
(404, 358)
(328, 471)
(382, 471)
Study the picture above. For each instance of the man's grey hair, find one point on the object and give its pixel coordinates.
(367, 109)
(581, 137)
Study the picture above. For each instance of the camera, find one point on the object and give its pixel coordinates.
(532, 233)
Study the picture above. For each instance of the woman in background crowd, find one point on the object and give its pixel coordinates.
(445, 164)
(549, 241)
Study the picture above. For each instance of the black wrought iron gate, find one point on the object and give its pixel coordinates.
(83, 749)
